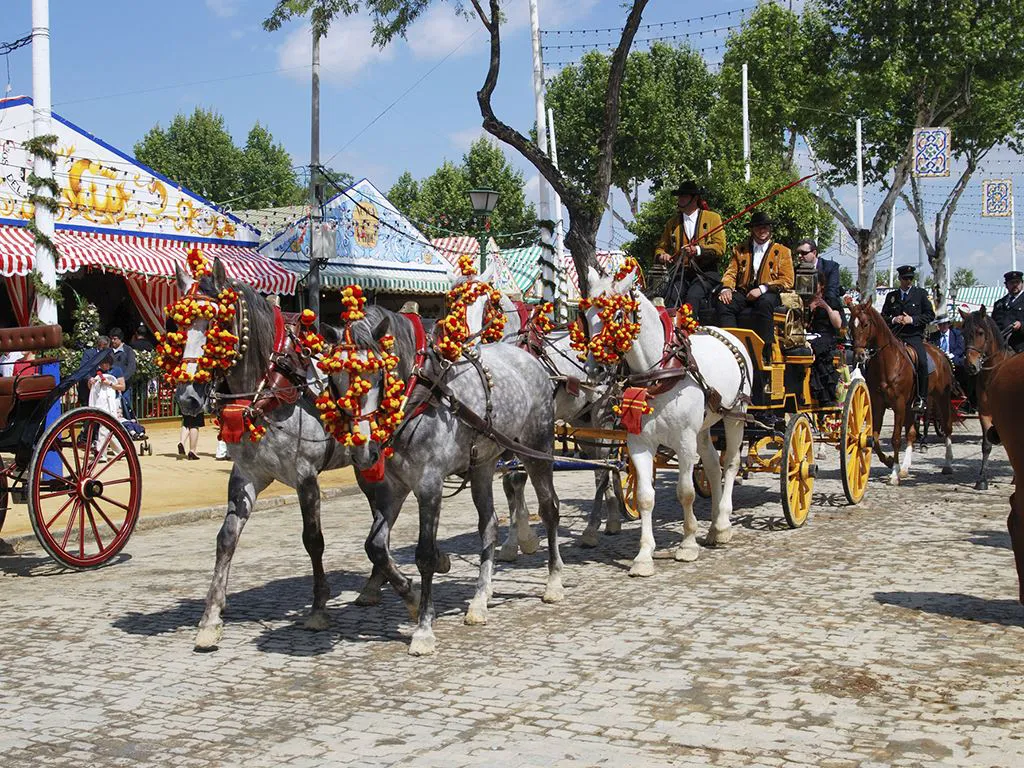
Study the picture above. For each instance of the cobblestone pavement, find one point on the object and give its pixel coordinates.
(881, 635)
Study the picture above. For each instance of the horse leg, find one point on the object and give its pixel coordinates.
(385, 508)
(643, 463)
(520, 534)
(481, 487)
(429, 497)
(944, 407)
(908, 455)
(542, 479)
(686, 456)
(1015, 525)
(601, 487)
(242, 493)
(722, 485)
(897, 439)
(986, 449)
(613, 497)
(877, 417)
(313, 540)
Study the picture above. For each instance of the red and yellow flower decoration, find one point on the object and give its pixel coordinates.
(220, 351)
(541, 320)
(685, 321)
(454, 327)
(340, 415)
(618, 330)
(353, 301)
(309, 340)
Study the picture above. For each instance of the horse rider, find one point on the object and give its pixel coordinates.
(758, 272)
(825, 320)
(691, 246)
(951, 342)
(1008, 312)
(908, 311)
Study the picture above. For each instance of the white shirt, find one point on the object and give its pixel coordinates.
(760, 249)
(690, 226)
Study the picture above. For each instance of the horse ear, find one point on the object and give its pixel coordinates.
(870, 301)
(963, 315)
(489, 274)
(380, 330)
(983, 311)
(626, 283)
(593, 277)
(183, 280)
(220, 274)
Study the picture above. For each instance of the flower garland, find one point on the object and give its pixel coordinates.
(340, 415)
(541, 319)
(310, 341)
(455, 325)
(220, 350)
(616, 336)
(685, 321)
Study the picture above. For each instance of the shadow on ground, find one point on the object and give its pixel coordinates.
(1008, 613)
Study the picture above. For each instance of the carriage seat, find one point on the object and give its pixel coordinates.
(30, 337)
(14, 388)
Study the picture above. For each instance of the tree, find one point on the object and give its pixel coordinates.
(584, 200)
(963, 278)
(440, 203)
(882, 278)
(197, 152)
(845, 279)
(667, 94)
(901, 66)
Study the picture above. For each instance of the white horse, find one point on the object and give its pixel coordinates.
(682, 421)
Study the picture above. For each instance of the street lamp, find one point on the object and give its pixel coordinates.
(483, 202)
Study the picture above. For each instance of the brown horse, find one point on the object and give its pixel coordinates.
(1005, 393)
(889, 373)
(985, 351)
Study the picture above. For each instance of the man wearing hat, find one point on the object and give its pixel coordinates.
(691, 245)
(908, 311)
(1008, 312)
(758, 272)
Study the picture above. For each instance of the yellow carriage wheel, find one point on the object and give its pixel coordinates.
(629, 502)
(855, 441)
(797, 470)
(701, 484)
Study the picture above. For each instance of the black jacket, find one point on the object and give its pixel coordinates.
(917, 305)
(833, 293)
(1006, 312)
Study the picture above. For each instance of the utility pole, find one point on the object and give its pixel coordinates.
(892, 253)
(746, 127)
(313, 281)
(1013, 232)
(860, 179)
(547, 234)
(45, 262)
(559, 224)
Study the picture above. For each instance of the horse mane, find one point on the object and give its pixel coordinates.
(879, 321)
(985, 321)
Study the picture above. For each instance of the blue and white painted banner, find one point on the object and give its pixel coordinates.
(932, 154)
(997, 197)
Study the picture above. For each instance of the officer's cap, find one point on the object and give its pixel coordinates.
(1013, 275)
(907, 270)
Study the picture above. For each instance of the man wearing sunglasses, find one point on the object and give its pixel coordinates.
(908, 311)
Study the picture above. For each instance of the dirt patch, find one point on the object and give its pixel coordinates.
(855, 684)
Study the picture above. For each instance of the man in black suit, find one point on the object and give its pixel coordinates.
(1008, 312)
(824, 321)
(807, 250)
(951, 342)
(908, 311)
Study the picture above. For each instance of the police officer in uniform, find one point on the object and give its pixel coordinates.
(691, 246)
(758, 272)
(908, 311)
(1008, 312)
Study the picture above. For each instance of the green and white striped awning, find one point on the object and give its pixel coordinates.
(523, 265)
(980, 295)
(411, 281)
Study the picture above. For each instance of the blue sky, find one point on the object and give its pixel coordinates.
(121, 66)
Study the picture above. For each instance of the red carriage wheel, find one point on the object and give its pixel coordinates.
(84, 513)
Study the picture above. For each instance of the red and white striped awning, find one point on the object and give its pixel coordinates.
(148, 256)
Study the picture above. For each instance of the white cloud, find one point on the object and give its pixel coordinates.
(440, 30)
(344, 53)
(463, 139)
(517, 13)
(223, 8)
(531, 189)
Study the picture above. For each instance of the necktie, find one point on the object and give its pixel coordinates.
(945, 342)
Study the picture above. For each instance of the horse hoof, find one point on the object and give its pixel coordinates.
(422, 644)
(904, 474)
(589, 538)
(368, 597)
(642, 568)
(475, 616)
(947, 470)
(508, 553)
(686, 553)
(717, 537)
(444, 563)
(317, 621)
(613, 527)
(981, 485)
(555, 593)
(529, 545)
(412, 604)
(208, 637)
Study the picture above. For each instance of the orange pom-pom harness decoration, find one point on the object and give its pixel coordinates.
(541, 319)
(454, 327)
(339, 416)
(618, 330)
(309, 340)
(220, 351)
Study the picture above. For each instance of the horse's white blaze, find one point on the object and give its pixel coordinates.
(475, 317)
(908, 457)
(368, 403)
(195, 340)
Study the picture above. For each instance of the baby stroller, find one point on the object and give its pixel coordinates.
(135, 430)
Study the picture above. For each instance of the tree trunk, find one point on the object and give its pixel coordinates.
(581, 240)
(940, 292)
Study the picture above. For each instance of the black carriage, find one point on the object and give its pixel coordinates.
(80, 475)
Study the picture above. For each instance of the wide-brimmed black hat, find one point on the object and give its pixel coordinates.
(760, 219)
(689, 187)
(907, 270)
(1013, 275)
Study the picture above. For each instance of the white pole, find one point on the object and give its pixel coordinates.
(547, 235)
(709, 167)
(559, 223)
(860, 179)
(46, 308)
(1013, 233)
(313, 281)
(746, 127)
(892, 256)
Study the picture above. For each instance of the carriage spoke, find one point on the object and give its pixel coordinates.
(115, 503)
(106, 466)
(88, 444)
(103, 514)
(70, 528)
(74, 445)
(49, 523)
(66, 492)
(92, 524)
(64, 461)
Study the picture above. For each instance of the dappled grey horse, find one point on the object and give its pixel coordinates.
(509, 389)
(294, 450)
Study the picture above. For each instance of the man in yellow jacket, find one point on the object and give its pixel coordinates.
(758, 272)
(691, 246)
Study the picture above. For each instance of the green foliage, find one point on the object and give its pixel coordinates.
(439, 204)
(882, 277)
(963, 277)
(845, 279)
(795, 211)
(667, 97)
(198, 152)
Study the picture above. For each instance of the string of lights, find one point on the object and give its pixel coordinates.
(614, 44)
(652, 25)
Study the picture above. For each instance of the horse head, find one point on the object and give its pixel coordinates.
(982, 339)
(609, 320)
(475, 314)
(866, 327)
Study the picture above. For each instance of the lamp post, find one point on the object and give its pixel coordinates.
(483, 202)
